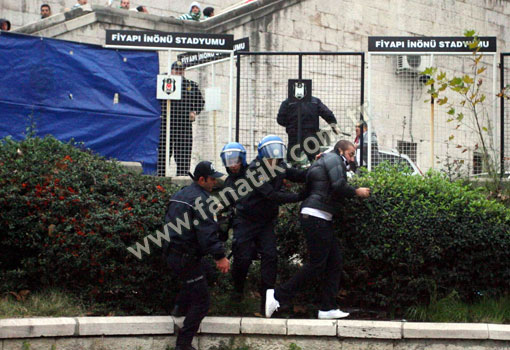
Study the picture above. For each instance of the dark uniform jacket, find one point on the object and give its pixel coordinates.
(230, 182)
(200, 239)
(326, 183)
(310, 112)
(262, 203)
(191, 101)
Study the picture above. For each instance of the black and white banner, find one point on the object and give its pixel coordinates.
(428, 44)
(193, 59)
(164, 40)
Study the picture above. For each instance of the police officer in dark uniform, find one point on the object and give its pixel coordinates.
(326, 188)
(233, 156)
(256, 214)
(195, 237)
(310, 113)
(183, 113)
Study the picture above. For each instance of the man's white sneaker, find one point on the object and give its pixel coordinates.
(271, 303)
(332, 314)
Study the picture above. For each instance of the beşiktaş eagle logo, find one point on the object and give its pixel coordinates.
(168, 85)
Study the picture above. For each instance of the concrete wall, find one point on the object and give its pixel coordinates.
(157, 333)
(21, 13)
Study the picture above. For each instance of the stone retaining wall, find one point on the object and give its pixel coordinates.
(158, 332)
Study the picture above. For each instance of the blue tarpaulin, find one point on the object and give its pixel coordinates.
(102, 97)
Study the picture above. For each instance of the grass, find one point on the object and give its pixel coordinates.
(51, 303)
(452, 309)
(54, 303)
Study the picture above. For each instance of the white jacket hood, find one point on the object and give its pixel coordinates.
(195, 3)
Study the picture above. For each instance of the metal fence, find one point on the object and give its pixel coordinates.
(505, 113)
(207, 91)
(405, 124)
(262, 86)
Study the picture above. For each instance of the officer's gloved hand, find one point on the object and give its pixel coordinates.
(335, 128)
(302, 195)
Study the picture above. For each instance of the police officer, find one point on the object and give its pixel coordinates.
(195, 237)
(326, 187)
(233, 156)
(183, 112)
(310, 113)
(256, 214)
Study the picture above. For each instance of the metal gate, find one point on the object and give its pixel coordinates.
(505, 110)
(406, 123)
(262, 85)
(211, 74)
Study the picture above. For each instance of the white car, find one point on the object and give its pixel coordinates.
(394, 157)
(391, 156)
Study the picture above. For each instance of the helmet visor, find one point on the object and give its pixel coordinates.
(273, 150)
(231, 157)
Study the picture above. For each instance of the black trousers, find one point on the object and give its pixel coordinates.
(181, 144)
(251, 239)
(311, 146)
(325, 259)
(193, 296)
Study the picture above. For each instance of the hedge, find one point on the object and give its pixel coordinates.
(68, 215)
(414, 240)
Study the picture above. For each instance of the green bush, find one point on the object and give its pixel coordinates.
(68, 217)
(415, 239)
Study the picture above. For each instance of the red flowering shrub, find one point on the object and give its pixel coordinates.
(67, 217)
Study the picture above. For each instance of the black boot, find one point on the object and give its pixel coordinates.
(184, 347)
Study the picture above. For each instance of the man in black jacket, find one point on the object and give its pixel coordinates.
(257, 212)
(326, 187)
(310, 113)
(193, 234)
(183, 113)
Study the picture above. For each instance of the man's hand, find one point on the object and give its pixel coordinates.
(192, 116)
(335, 128)
(319, 155)
(223, 265)
(363, 192)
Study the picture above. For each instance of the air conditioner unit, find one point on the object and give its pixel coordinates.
(412, 64)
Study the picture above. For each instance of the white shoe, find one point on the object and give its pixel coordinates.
(331, 314)
(271, 303)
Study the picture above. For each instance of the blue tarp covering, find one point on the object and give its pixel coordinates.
(69, 89)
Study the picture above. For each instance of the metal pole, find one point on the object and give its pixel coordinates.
(238, 95)
(369, 119)
(167, 133)
(502, 114)
(432, 130)
(494, 142)
(231, 97)
(167, 140)
(300, 104)
(362, 101)
(214, 115)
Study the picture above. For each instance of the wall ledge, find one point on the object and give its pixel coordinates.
(165, 325)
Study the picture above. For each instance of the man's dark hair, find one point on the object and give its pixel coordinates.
(46, 5)
(343, 145)
(208, 11)
(139, 8)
